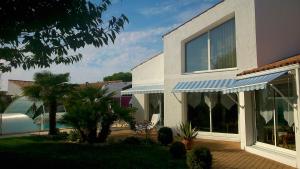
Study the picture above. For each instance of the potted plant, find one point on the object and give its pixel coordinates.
(187, 134)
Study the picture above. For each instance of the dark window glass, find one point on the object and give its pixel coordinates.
(196, 54)
(224, 113)
(222, 46)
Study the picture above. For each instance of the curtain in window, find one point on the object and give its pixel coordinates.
(197, 54)
(222, 46)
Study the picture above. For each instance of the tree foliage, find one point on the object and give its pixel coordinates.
(124, 76)
(90, 106)
(49, 88)
(38, 33)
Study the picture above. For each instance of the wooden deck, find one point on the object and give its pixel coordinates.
(227, 155)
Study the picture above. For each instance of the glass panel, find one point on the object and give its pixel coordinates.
(222, 46)
(224, 113)
(285, 133)
(156, 106)
(196, 54)
(198, 111)
(265, 116)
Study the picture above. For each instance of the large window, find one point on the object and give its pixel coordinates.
(196, 54)
(156, 106)
(213, 112)
(214, 49)
(274, 116)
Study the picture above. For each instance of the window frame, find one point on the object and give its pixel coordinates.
(184, 69)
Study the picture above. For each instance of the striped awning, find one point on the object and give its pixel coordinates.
(253, 83)
(203, 86)
(144, 89)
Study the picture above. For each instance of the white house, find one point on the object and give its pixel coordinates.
(233, 72)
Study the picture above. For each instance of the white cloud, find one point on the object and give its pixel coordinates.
(130, 49)
(157, 10)
(186, 15)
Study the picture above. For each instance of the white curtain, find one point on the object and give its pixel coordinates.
(194, 99)
(223, 51)
(266, 104)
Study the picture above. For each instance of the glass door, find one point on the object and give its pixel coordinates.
(274, 115)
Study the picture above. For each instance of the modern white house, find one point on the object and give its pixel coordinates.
(233, 72)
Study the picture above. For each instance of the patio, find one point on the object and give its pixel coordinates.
(227, 155)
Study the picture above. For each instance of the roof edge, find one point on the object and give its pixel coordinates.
(161, 52)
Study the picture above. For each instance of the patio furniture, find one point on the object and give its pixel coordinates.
(147, 125)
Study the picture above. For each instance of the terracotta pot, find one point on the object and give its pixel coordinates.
(188, 143)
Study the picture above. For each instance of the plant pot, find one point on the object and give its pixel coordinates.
(188, 143)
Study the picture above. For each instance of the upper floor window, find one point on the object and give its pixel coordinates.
(214, 49)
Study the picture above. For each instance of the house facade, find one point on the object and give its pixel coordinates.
(233, 72)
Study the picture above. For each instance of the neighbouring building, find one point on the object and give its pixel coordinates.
(233, 72)
(14, 88)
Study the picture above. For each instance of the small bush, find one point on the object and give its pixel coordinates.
(148, 141)
(60, 136)
(132, 141)
(74, 135)
(165, 135)
(177, 150)
(199, 158)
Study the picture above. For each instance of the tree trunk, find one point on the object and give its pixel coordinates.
(52, 117)
(104, 132)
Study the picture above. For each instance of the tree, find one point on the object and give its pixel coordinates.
(90, 106)
(49, 88)
(124, 76)
(38, 33)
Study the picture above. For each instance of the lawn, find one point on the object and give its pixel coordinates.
(42, 152)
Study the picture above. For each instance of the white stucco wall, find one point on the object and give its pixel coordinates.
(243, 11)
(147, 73)
(277, 29)
(13, 89)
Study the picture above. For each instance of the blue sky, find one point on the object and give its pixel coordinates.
(141, 39)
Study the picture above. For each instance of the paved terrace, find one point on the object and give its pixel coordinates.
(228, 155)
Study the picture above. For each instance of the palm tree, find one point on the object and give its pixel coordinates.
(92, 109)
(49, 88)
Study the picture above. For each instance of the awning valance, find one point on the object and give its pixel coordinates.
(203, 86)
(253, 83)
(144, 89)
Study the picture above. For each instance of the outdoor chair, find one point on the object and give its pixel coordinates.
(146, 125)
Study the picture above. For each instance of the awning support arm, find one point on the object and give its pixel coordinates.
(282, 95)
(236, 102)
(176, 97)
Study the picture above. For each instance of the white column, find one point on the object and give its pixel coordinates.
(296, 118)
(242, 120)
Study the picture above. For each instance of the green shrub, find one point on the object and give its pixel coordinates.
(165, 135)
(60, 136)
(199, 158)
(132, 140)
(74, 135)
(177, 150)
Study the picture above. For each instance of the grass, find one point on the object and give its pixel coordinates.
(43, 152)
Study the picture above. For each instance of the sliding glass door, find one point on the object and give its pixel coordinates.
(213, 112)
(275, 115)
(156, 106)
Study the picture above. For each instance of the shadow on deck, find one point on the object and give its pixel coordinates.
(226, 154)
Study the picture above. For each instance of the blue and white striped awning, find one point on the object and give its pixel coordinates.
(144, 89)
(253, 83)
(203, 86)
